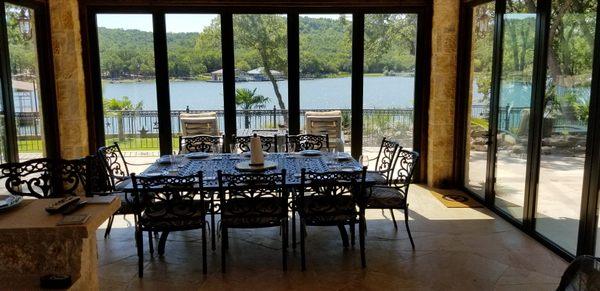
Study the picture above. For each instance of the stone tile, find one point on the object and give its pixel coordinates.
(456, 249)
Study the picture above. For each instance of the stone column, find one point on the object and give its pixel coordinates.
(70, 81)
(443, 89)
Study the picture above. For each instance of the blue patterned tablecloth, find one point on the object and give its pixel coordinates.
(292, 163)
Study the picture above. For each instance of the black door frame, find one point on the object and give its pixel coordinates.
(92, 66)
(588, 213)
(46, 81)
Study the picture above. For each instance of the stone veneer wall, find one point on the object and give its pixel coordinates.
(68, 69)
(442, 95)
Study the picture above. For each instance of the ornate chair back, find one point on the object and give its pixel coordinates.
(46, 177)
(386, 158)
(327, 195)
(169, 203)
(297, 143)
(114, 164)
(200, 143)
(404, 169)
(251, 197)
(269, 143)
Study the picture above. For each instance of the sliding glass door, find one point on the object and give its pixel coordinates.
(260, 51)
(565, 121)
(479, 97)
(27, 117)
(389, 80)
(154, 67)
(126, 53)
(514, 107)
(541, 80)
(195, 74)
(326, 72)
(25, 81)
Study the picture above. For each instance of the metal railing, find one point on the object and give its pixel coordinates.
(139, 129)
(510, 118)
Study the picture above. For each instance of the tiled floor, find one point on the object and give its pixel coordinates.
(456, 249)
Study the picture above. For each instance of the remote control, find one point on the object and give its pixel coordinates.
(61, 204)
(73, 207)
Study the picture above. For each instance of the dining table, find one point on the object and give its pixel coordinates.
(210, 163)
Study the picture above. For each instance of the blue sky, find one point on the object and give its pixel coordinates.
(175, 22)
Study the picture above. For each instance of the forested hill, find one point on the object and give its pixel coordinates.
(325, 47)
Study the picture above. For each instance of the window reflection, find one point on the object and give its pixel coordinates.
(514, 106)
(564, 130)
(480, 91)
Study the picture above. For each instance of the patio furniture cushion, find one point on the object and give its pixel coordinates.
(323, 113)
(377, 177)
(253, 212)
(198, 115)
(177, 217)
(126, 202)
(328, 210)
(126, 181)
(385, 197)
(197, 125)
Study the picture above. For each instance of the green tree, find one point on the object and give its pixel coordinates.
(22, 51)
(247, 99)
(116, 107)
(266, 35)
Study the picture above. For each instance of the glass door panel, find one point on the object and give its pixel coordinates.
(126, 46)
(24, 74)
(565, 123)
(514, 106)
(3, 144)
(195, 74)
(480, 89)
(326, 75)
(389, 80)
(260, 49)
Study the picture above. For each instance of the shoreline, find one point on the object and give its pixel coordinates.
(180, 80)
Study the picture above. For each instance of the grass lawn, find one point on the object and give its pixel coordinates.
(30, 146)
(141, 144)
(129, 144)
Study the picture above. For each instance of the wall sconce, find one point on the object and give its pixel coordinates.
(24, 21)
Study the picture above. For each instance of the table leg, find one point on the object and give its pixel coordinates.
(162, 241)
(344, 235)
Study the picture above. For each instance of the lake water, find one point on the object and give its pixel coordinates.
(379, 93)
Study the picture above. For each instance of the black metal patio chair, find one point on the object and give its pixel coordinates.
(46, 177)
(116, 171)
(166, 204)
(385, 162)
(395, 195)
(200, 143)
(300, 142)
(332, 199)
(253, 200)
(269, 143)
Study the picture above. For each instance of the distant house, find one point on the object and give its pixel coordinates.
(217, 76)
(24, 94)
(258, 74)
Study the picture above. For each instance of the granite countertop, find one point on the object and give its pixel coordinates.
(29, 221)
